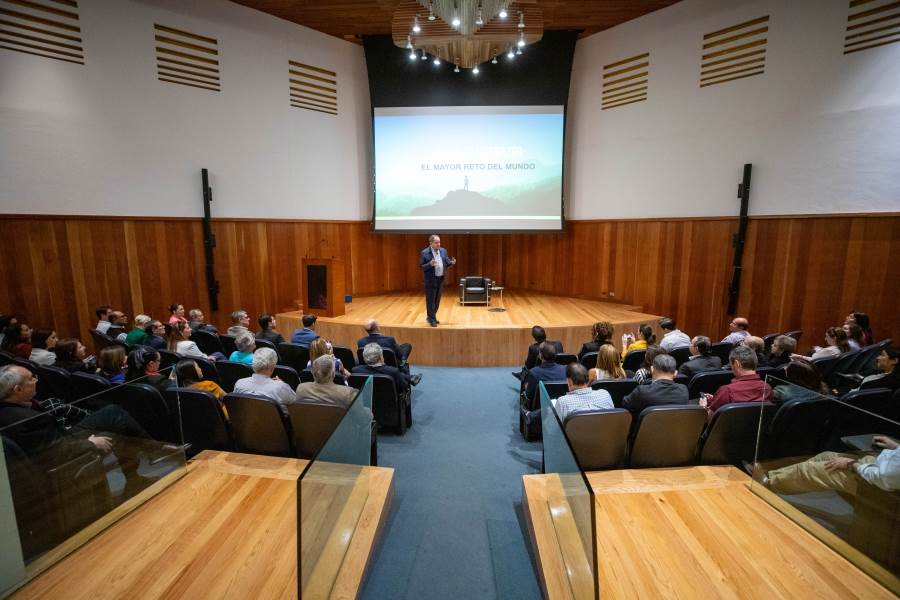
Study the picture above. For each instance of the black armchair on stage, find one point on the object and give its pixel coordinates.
(475, 290)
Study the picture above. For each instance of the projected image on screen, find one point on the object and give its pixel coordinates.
(468, 168)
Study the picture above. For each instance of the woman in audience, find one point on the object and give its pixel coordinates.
(642, 375)
(601, 333)
(609, 364)
(854, 335)
(836, 340)
(319, 347)
(647, 338)
(6, 321)
(43, 341)
(155, 335)
(267, 330)
(143, 364)
(136, 336)
(17, 340)
(807, 383)
(862, 319)
(189, 375)
(178, 340)
(176, 314)
(246, 345)
(111, 364)
(70, 356)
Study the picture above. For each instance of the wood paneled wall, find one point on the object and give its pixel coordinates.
(800, 272)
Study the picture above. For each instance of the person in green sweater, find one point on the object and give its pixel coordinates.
(137, 335)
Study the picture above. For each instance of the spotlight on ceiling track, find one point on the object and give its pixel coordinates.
(521, 41)
(431, 16)
(424, 56)
(412, 55)
(518, 51)
(456, 68)
(479, 20)
(503, 14)
(436, 61)
(521, 24)
(510, 54)
(475, 70)
(494, 60)
(409, 43)
(417, 28)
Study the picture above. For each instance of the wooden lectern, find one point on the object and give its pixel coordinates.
(323, 286)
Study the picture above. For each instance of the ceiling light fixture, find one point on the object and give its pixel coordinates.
(409, 43)
(456, 20)
(417, 28)
(456, 68)
(521, 41)
(475, 70)
(479, 20)
(521, 20)
(412, 54)
(510, 55)
(424, 56)
(518, 51)
(503, 14)
(494, 60)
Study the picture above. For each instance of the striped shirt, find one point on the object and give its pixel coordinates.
(582, 400)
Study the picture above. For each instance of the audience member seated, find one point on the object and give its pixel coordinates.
(304, 335)
(17, 340)
(746, 385)
(6, 321)
(178, 339)
(836, 340)
(782, 349)
(374, 365)
(648, 338)
(155, 335)
(609, 364)
(757, 345)
(246, 346)
(643, 375)
(240, 321)
(103, 318)
(840, 472)
(581, 398)
(889, 376)
(198, 322)
(862, 319)
(807, 383)
(672, 336)
(601, 333)
(854, 335)
(320, 347)
(118, 326)
(268, 329)
(662, 390)
(176, 314)
(323, 389)
(139, 331)
(539, 336)
(701, 360)
(70, 356)
(263, 383)
(189, 375)
(143, 365)
(43, 341)
(65, 430)
(112, 364)
(546, 370)
(738, 328)
(401, 351)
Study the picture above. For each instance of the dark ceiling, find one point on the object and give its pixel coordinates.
(350, 19)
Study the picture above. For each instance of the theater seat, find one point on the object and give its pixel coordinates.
(312, 424)
(667, 436)
(203, 423)
(599, 438)
(731, 436)
(259, 426)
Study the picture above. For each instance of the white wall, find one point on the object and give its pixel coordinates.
(108, 138)
(821, 128)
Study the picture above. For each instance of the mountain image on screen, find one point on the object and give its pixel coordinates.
(524, 200)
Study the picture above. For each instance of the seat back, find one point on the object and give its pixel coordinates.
(208, 368)
(874, 400)
(167, 358)
(54, 382)
(80, 491)
(207, 342)
(25, 363)
(666, 436)
(555, 389)
(617, 388)
(825, 365)
(261, 343)
(768, 340)
(708, 382)
(146, 405)
(293, 355)
(564, 358)
(389, 409)
(865, 357)
(589, 360)
(313, 423)
(795, 334)
(843, 364)
(722, 350)
(682, 354)
(800, 427)
(228, 344)
(203, 423)
(258, 425)
(230, 371)
(101, 341)
(306, 376)
(599, 438)
(288, 375)
(390, 358)
(88, 384)
(345, 355)
(633, 360)
(731, 436)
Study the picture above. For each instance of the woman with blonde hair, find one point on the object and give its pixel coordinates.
(178, 339)
(319, 347)
(609, 364)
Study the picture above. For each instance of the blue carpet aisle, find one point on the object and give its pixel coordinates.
(455, 530)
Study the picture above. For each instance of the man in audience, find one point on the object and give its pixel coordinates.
(118, 322)
(700, 360)
(662, 390)
(374, 365)
(781, 351)
(738, 327)
(746, 385)
(324, 389)
(672, 336)
(889, 371)
(401, 351)
(240, 322)
(198, 322)
(268, 329)
(539, 336)
(103, 316)
(581, 398)
(757, 345)
(262, 383)
(306, 334)
(547, 370)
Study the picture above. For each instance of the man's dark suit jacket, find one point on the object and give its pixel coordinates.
(425, 257)
(400, 379)
(385, 341)
(590, 347)
(777, 360)
(198, 326)
(700, 364)
(270, 336)
(534, 349)
(546, 371)
(661, 391)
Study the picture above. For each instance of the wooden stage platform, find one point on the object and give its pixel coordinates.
(471, 335)
(695, 532)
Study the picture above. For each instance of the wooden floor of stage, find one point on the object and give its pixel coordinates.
(471, 335)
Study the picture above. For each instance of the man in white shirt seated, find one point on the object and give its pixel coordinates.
(103, 316)
(581, 398)
(738, 327)
(673, 337)
(262, 384)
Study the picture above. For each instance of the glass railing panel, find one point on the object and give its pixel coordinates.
(72, 468)
(570, 502)
(832, 465)
(333, 491)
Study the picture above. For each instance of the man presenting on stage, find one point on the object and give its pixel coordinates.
(433, 261)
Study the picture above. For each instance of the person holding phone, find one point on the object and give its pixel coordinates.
(434, 262)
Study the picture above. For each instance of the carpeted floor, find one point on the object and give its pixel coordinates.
(455, 531)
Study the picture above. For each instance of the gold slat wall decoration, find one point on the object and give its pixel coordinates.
(312, 88)
(49, 29)
(871, 24)
(186, 58)
(625, 81)
(734, 52)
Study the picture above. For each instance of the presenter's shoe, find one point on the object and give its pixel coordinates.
(415, 379)
(432, 323)
(436, 321)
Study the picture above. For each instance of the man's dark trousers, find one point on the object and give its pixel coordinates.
(433, 297)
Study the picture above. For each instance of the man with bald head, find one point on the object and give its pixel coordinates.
(738, 327)
(374, 336)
